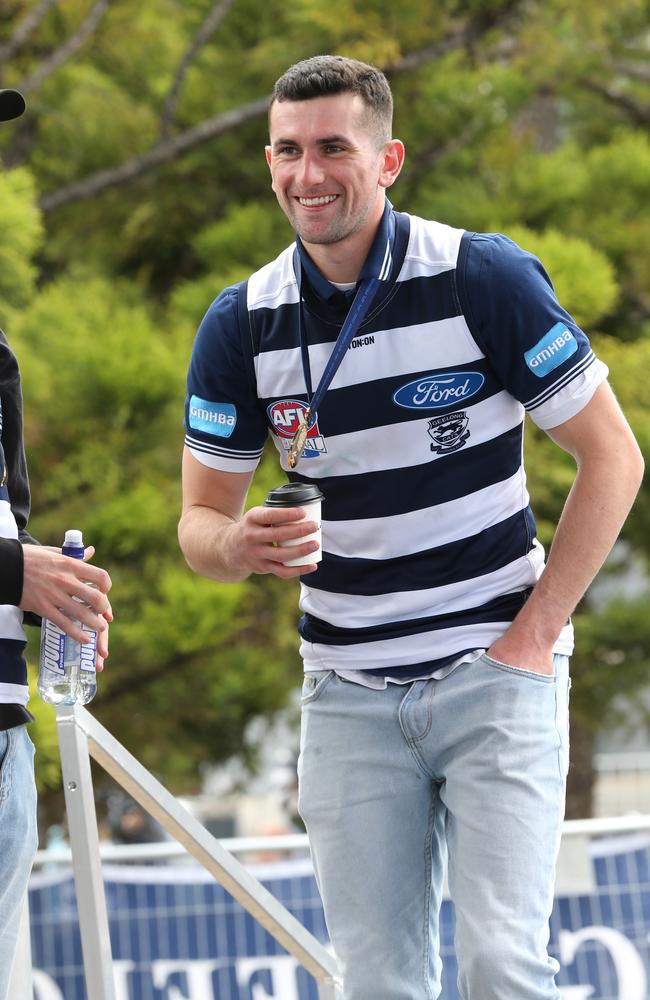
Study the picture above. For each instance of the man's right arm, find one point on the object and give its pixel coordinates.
(222, 542)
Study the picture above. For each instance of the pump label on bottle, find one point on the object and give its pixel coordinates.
(52, 645)
(88, 651)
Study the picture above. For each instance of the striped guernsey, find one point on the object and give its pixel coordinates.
(429, 547)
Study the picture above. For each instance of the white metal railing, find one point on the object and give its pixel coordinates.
(634, 823)
(171, 849)
(622, 761)
(80, 737)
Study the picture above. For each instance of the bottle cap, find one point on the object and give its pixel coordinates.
(73, 539)
(293, 495)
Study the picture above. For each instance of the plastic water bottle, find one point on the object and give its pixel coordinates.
(67, 671)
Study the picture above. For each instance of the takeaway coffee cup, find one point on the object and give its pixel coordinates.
(308, 497)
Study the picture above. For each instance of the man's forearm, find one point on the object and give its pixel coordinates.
(222, 541)
(593, 515)
(208, 542)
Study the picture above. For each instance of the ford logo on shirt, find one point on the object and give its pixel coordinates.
(432, 392)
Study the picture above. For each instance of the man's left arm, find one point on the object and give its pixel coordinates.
(609, 473)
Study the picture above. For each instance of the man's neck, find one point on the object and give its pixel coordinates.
(339, 262)
(342, 261)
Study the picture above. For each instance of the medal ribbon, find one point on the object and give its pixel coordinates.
(358, 310)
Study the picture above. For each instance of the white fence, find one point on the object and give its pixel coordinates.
(174, 933)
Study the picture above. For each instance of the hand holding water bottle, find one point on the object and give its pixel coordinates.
(70, 595)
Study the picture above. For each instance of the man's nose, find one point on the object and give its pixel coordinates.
(311, 171)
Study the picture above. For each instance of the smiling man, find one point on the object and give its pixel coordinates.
(435, 635)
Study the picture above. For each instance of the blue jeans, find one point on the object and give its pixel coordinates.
(391, 781)
(18, 838)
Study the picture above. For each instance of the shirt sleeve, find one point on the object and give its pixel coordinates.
(224, 422)
(12, 459)
(11, 571)
(11, 427)
(537, 350)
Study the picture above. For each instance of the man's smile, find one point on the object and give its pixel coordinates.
(324, 199)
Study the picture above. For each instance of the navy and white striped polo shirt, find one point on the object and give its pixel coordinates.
(13, 669)
(429, 547)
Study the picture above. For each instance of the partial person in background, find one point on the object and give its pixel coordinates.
(393, 359)
(39, 580)
(129, 823)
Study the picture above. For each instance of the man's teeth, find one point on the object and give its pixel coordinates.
(325, 200)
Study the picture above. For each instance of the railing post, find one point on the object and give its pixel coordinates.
(81, 735)
(84, 840)
(20, 987)
(229, 873)
(328, 991)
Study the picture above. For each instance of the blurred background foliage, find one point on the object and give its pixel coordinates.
(135, 188)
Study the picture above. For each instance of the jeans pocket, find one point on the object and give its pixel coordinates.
(508, 668)
(314, 684)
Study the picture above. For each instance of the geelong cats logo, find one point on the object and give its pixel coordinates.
(449, 433)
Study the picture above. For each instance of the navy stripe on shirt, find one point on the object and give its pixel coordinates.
(502, 608)
(407, 303)
(365, 405)
(417, 671)
(14, 668)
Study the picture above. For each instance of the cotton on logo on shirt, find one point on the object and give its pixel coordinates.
(555, 347)
(212, 418)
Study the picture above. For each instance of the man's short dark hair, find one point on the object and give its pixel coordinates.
(323, 76)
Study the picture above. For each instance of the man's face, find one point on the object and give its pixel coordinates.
(328, 168)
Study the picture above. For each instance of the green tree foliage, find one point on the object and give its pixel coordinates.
(20, 234)
(136, 188)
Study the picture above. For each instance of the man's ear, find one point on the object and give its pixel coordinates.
(392, 163)
(268, 151)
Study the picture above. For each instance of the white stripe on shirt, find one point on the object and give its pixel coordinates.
(404, 534)
(420, 648)
(14, 694)
(364, 611)
(400, 446)
(275, 284)
(438, 345)
(570, 400)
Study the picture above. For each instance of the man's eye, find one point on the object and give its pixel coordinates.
(287, 151)
(333, 149)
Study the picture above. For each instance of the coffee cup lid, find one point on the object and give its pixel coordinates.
(293, 495)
